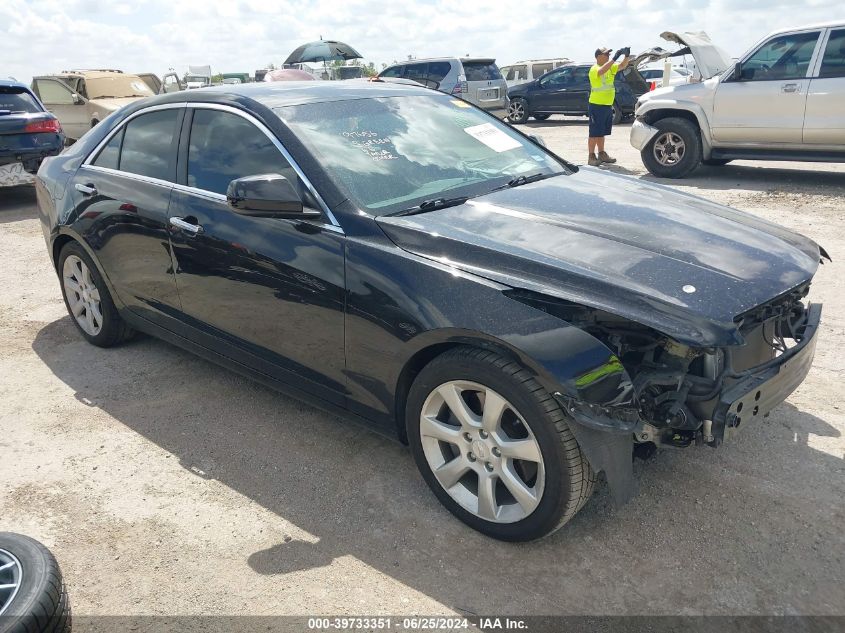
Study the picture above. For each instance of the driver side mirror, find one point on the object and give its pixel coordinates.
(737, 76)
(267, 196)
(77, 99)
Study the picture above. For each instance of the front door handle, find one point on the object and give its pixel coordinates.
(181, 223)
(790, 87)
(86, 190)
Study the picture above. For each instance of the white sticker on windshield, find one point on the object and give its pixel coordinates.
(492, 137)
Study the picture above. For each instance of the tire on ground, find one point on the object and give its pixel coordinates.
(691, 136)
(41, 603)
(114, 329)
(569, 479)
(522, 115)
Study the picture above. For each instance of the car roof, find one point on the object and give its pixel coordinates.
(87, 74)
(818, 25)
(11, 83)
(479, 60)
(277, 94)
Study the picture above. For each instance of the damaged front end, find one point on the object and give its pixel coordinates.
(675, 395)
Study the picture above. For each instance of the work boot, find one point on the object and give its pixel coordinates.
(604, 158)
(593, 161)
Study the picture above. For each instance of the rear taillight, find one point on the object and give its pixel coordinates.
(50, 125)
(652, 86)
(460, 87)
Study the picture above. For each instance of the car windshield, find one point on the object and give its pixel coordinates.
(18, 100)
(392, 153)
(116, 86)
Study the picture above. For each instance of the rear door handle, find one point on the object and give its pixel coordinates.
(181, 223)
(86, 190)
(790, 87)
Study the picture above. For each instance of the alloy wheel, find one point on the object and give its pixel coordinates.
(482, 452)
(11, 576)
(82, 295)
(669, 149)
(516, 110)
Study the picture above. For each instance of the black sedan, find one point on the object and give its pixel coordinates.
(566, 90)
(28, 133)
(401, 257)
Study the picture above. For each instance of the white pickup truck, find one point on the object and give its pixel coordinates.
(783, 100)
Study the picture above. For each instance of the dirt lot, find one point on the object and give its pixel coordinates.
(167, 485)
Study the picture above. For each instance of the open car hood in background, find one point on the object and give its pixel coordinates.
(709, 58)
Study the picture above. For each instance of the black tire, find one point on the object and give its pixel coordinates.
(518, 110)
(569, 479)
(41, 602)
(617, 114)
(114, 329)
(541, 117)
(715, 162)
(689, 133)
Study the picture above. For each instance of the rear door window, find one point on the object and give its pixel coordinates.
(416, 72)
(437, 71)
(833, 62)
(109, 156)
(225, 146)
(18, 100)
(481, 71)
(540, 69)
(148, 145)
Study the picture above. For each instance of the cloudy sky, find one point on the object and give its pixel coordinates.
(43, 36)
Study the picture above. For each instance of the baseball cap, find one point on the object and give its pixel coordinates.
(603, 51)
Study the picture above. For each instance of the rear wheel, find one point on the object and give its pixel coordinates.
(541, 117)
(88, 300)
(518, 110)
(494, 446)
(675, 151)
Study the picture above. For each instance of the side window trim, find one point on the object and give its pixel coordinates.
(821, 49)
(333, 223)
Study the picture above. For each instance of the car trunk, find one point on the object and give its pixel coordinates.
(18, 109)
(486, 87)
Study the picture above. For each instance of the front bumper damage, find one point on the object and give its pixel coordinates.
(760, 389)
(608, 429)
(641, 134)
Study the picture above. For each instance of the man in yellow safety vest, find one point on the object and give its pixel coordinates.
(602, 94)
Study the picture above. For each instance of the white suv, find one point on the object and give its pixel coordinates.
(784, 100)
(528, 70)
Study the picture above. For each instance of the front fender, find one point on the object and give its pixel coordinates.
(650, 110)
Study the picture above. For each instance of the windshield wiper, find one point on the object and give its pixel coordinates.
(430, 205)
(524, 180)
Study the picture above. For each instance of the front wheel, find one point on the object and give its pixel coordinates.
(518, 110)
(675, 151)
(495, 447)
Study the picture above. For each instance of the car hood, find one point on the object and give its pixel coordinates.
(674, 262)
(115, 103)
(710, 59)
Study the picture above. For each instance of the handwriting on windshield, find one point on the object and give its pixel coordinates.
(371, 144)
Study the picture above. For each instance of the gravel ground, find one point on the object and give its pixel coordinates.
(167, 485)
